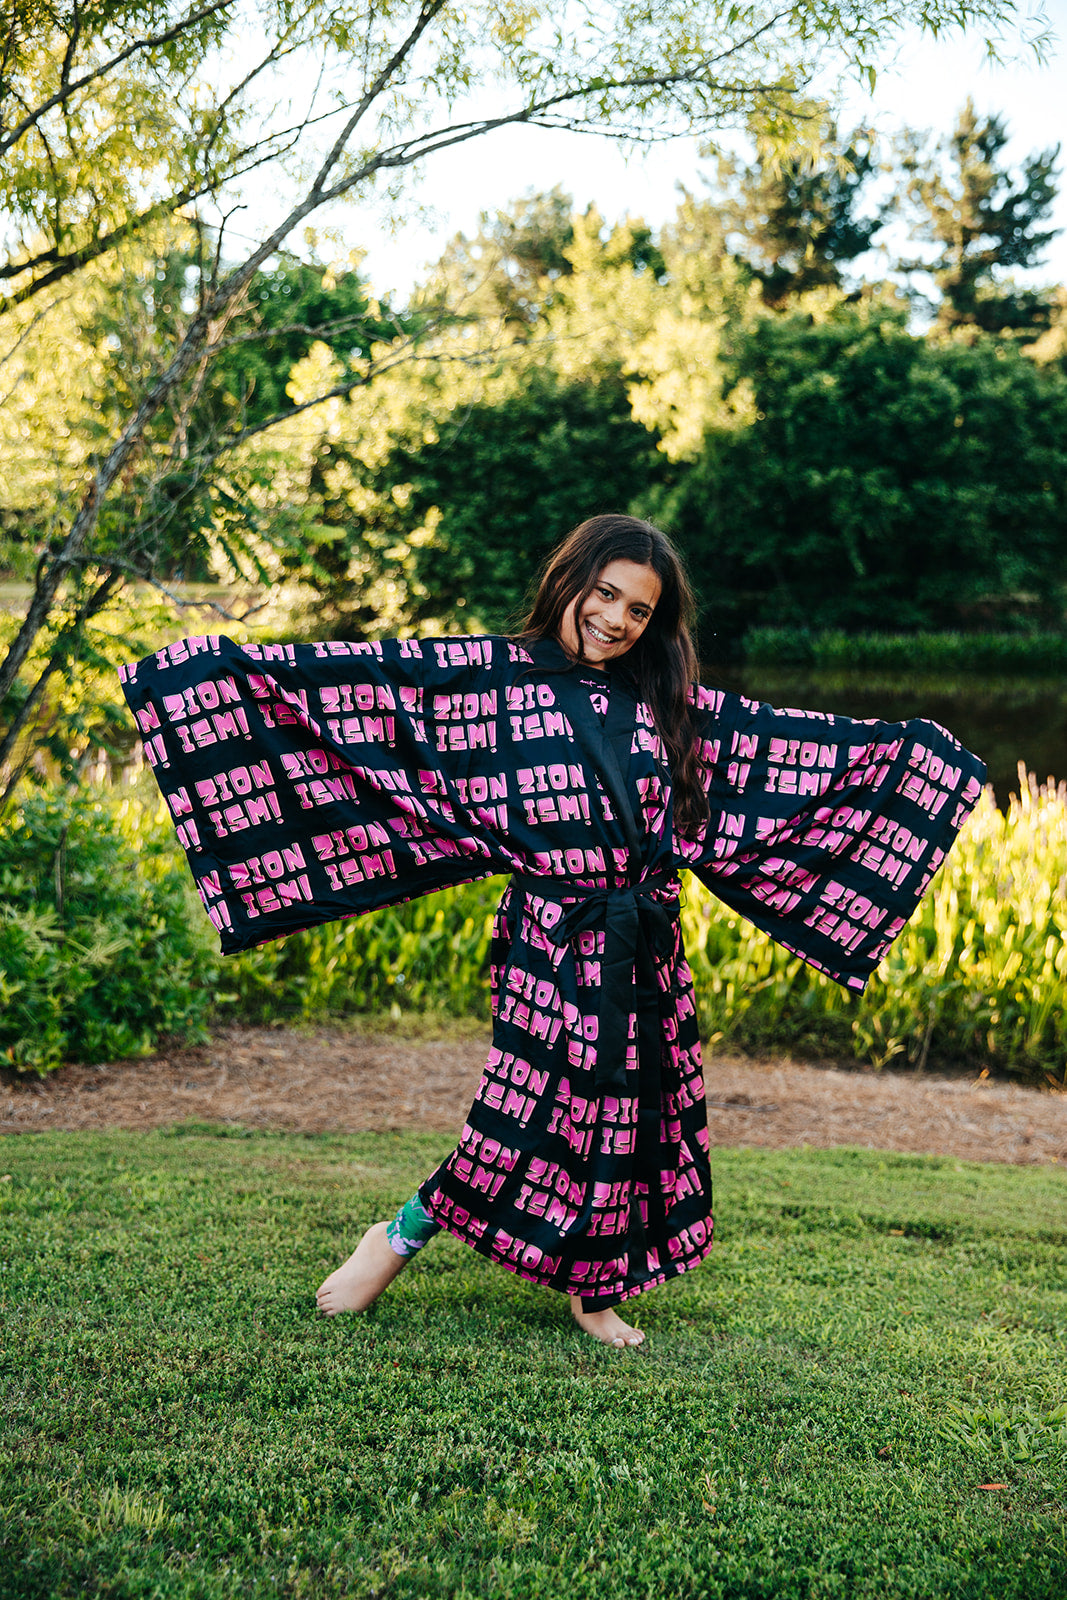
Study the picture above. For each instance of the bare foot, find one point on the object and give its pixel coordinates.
(607, 1326)
(369, 1270)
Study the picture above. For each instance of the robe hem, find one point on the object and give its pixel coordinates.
(614, 1293)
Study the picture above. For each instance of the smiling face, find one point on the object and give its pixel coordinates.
(615, 615)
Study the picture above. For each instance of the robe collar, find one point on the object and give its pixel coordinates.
(608, 748)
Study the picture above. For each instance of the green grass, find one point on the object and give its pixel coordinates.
(874, 1337)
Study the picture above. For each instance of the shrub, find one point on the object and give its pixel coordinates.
(978, 977)
(103, 949)
(427, 955)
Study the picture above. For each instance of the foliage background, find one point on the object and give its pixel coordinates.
(837, 456)
(105, 951)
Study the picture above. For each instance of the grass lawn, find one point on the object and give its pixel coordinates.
(874, 1338)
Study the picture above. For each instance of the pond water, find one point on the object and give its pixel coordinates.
(1004, 720)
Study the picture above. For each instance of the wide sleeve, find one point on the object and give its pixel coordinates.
(309, 782)
(825, 831)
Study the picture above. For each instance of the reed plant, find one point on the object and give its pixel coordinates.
(978, 978)
(428, 955)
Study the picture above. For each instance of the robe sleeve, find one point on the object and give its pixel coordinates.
(310, 782)
(825, 832)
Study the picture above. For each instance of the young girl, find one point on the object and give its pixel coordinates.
(314, 781)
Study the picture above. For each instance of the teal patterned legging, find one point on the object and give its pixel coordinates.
(411, 1228)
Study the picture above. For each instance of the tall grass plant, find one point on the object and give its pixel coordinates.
(104, 952)
(978, 978)
(428, 955)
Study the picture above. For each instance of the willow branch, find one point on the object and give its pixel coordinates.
(67, 88)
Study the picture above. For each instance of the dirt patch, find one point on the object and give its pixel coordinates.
(336, 1080)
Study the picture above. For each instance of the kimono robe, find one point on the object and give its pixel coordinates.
(310, 782)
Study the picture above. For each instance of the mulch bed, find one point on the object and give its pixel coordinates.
(333, 1079)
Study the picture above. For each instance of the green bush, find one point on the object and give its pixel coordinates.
(885, 479)
(103, 949)
(427, 955)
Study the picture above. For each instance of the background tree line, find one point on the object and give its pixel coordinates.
(825, 460)
(179, 402)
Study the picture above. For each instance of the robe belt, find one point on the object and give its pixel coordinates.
(634, 925)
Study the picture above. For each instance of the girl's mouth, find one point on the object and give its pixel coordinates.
(597, 637)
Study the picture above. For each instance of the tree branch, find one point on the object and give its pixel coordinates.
(67, 88)
(72, 45)
(96, 602)
(99, 245)
(325, 331)
(428, 12)
(23, 336)
(272, 57)
(54, 567)
(536, 113)
(117, 568)
(360, 380)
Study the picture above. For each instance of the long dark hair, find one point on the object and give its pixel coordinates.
(662, 662)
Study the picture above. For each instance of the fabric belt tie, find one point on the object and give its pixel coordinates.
(635, 924)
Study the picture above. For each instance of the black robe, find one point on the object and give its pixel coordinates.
(310, 782)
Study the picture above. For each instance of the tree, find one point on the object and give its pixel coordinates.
(682, 382)
(291, 307)
(512, 267)
(431, 497)
(887, 481)
(798, 220)
(508, 270)
(105, 129)
(128, 118)
(501, 487)
(983, 220)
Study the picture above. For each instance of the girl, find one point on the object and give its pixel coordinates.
(314, 781)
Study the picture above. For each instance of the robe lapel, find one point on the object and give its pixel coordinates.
(607, 748)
